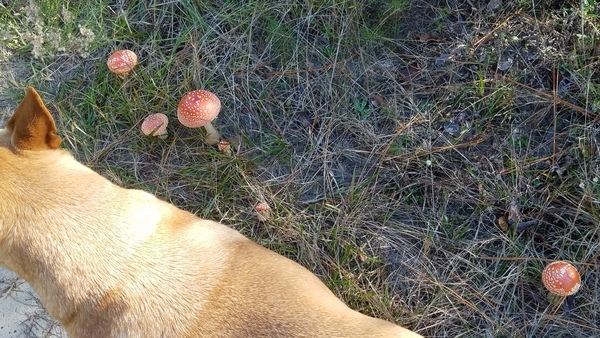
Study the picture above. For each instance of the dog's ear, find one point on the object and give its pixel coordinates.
(32, 126)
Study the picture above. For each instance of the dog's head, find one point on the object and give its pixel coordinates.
(31, 127)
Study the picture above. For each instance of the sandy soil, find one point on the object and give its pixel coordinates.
(21, 313)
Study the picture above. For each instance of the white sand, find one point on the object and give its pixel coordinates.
(21, 313)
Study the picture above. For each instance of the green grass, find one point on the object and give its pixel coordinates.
(395, 213)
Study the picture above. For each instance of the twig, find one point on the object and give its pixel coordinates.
(439, 149)
(400, 130)
(490, 35)
(547, 95)
(524, 259)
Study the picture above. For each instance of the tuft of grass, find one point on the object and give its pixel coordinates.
(392, 161)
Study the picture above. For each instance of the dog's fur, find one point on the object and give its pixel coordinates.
(113, 262)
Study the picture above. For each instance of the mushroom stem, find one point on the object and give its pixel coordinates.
(163, 135)
(212, 135)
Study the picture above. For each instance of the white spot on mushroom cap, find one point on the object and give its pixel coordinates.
(197, 108)
(156, 122)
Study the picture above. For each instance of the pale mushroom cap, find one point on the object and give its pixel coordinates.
(561, 278)
(198, 108)
(122, 61)
(155, 124)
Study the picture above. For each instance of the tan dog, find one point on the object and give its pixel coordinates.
(113, 262)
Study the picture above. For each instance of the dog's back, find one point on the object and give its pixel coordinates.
(112, 262)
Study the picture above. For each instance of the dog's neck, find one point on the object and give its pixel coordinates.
(66, 208)
(79, 212)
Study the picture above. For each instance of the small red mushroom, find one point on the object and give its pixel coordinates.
(155, 125)
(122, 62)
(263, 211)
(224, 146)
(197, 109)
(561, 278)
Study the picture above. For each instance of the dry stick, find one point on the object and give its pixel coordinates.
(552, 96)
(490, 35)
(530, 163)
(554, 83)
(489, 258)
(438, 149)
(558, 319)
(555, 99)
(419, 119)
(402, 128)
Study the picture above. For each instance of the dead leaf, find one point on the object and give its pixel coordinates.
(304, 119)
(514, 213)
(409, 72)
(560, 169)
(377, 101)
(427, 243)
(503, 224)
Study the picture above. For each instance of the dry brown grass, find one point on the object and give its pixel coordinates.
(388, 156)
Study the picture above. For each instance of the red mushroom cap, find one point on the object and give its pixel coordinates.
(224, 146)
(561, 278)
(262, 207)
(122, 61)
(198, 108)
(155, 124)
(263, 211)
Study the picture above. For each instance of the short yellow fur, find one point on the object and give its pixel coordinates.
(114, 262)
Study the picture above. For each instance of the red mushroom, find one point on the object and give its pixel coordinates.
(197, 109)
(122, 62)
(263, 211)
(224, 146)
(561, 278)
(155, 125)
